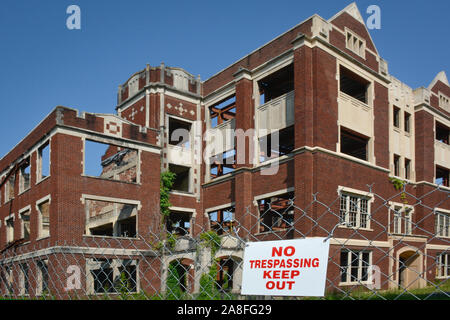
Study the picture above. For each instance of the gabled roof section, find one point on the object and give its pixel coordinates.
(441, 76)
(353, 11)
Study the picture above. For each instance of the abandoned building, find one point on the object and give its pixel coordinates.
(90, 183)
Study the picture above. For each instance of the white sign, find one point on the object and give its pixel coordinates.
(286, 267)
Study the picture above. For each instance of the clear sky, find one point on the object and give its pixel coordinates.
(44, 64)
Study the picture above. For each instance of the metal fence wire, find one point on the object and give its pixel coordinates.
(404, 238)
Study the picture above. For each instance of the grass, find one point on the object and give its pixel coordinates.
(438, 291)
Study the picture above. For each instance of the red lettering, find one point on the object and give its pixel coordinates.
(266, 274)
(258, 264)
(276, 251)
(289, 251)
(307, 263)
(270, 285)
(315, 262)
(263, 263)
(295, 273)
(290, 283)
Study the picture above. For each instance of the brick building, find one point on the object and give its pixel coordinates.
(317, 114)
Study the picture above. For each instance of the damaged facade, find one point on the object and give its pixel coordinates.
(341, 122)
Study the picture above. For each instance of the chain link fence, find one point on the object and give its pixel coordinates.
(380, 248)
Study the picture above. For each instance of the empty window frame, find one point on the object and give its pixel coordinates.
(354, 145)
(222, 111)
(182, 181)
(225, 274)
(43, 162)
(103, 277)
(442, 176)
(443, 265)
(354, 266)
(223, 163)
(179, 132)
(111, 219)
(177, 277)
(43, 208)
(396, 165)
(407, 168)
(353, 85)
(9, 188)
(110, 162)
(442, 224)
(407, 122)
(25, 218)
(442, 133)
(179, 223)
(114, 276)
(396, 117)
(9, 222)
(222, 220)
(402, 220)
(24, 280)
(24, 176)
(276, 213)
(270, 147)
(43, 277)
(354, 210)
(276, 84)
(355, 44)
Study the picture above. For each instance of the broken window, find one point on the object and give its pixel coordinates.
(354, 145)
(179, 223)
(110, 162)
(24, 176)
(43, 168)
(224, 280)
(43, 277)
(24, 279)
(182, 181)
(44, 219)
(407, 122)
(276, 84)
(396, 117)
(113, 219)
(114, 276)
(177, 277)
(407, 168)
(276, 213)
(353, 85)
(442, 176)
(442, 133)
(354, 210)
(10, 230)
(402, 220)
(179, 132)
(396, 165)
(103, 277)
(25, 217)
(222, 220)
(222, 111)
(223, 163)
(354, 266)
(272, 147)
(442, 224)
(9, 188)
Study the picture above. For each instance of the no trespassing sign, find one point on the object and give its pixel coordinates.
(286, 267)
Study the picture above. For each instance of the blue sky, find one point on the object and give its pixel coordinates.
(44, 64)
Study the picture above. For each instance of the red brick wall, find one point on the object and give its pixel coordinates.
(424, 144)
